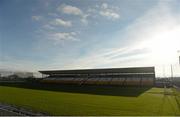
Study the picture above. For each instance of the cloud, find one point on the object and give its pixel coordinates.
(63, 36)
(84, 19)
(108, 58)
(108, 12)
(48, 27)
(53, 14)
(36, 18)
(73, 10)
(60, 22)
(68, 9)
(104, 6)
(155, 31)
(18, 64)
(156, 27)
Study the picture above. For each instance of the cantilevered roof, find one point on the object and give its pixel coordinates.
(104, 70)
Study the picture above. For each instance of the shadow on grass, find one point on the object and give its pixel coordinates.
(84, 89)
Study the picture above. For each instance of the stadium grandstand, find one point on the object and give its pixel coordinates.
(136, 76)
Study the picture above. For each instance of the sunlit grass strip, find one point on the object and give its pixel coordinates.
(176, 91)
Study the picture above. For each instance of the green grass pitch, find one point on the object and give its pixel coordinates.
(93, 100)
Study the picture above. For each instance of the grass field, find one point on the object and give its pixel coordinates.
(92, 100)
(177, 95)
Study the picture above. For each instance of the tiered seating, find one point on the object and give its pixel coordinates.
(77, 80)
(101, 81)
(118, 81)
(147, 82)
(91, 81)
(58, 80)
(104, 81)
(133, 81)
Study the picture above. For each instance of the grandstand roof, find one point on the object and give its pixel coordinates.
(149, 70)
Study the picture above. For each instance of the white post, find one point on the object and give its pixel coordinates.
(179, 56)
(171, 72)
